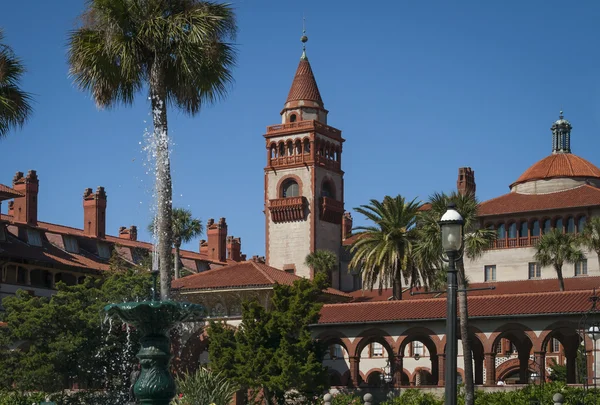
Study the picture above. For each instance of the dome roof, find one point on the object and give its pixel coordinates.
(559, 165)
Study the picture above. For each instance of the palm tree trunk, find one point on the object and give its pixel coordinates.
(176, 262)
(463, 314)
(397, 284)
(158, 97)
(561, 281)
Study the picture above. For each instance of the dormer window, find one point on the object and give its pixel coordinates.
(34, 238)
(290, 189)
(293, 118)
(71, 244)
(103, 250)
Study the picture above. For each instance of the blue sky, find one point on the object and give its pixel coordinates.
(419, 88)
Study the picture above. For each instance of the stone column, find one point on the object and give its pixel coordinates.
(398, 367)
(523, 366)
(354, 370)
(441, 369)
(490, 368)
(540, 364)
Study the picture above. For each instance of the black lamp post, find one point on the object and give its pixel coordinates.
(452, 243)
(386, 376)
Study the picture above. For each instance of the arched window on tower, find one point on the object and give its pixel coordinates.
(512, 231)
(581, 224)
(290, 188)
(501, 231)
(306, 146)
(281, 149)
(570, 225)
(273, 151)
(293, 118)
(535, 228)
(327, 190)
(298, 147)
(523, 231)
(290, 148)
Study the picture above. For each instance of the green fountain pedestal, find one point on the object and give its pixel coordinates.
(154, 320)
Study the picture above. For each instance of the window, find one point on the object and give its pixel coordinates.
(327, 191)
(490, 273)
(306, 146)
(535, 228)
(290, 148)
(281, 150)
(376, 350)
(581, 268)
(555, 346)
(417, 348)
(499, 347)
(34, 238)
(535, 271)
(103, 250)
(290, 189)
(559, 224)
(21, 275)
(581, 224)
(293, 118)
(335, 352)
(512, 231)
(501, 231)
(71, 244)
(547, 226)
(523, 232)
(570, 225)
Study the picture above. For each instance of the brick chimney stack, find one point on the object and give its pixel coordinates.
(94, 212)
(26, 208)
(217, 239)
(203, 247)
(234, 249)
(346, 225)
(466, 181)
(11, 208)
(129, 234)
(258, 259)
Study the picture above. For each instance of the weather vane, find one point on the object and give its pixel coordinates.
(303, 38)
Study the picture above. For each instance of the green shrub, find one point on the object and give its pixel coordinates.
(16, 398)
(414, 397)
(203, 388)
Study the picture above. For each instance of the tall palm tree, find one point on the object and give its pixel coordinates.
(428, 254)
(555, 249)
(382, 251)
(321, 261)
(177, 51)
(185, 228)
(15, 104)
(591, 236)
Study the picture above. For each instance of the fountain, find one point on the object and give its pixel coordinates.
(154, 319)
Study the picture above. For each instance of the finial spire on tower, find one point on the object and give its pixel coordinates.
(561, 135)
(303, 39)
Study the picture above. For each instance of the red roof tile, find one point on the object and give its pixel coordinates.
(559, 165)
(582, 196)
(7, 193)
(304, 86)
(241, 275)
(501, 288)
(549, 303)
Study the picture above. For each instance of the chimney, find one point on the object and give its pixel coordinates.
(26, 208)
(94, 212)
(11, 208)
(466, 181)
(203, 247)
(217, 239)
(243, 258)
(258, 259)
(346, 225)
(234, 249)
(129, 234)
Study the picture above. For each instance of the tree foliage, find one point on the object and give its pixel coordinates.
(273, 350)
(321, 261)
(15, 104)
(204, 387)
(62, 340)
(556, 248)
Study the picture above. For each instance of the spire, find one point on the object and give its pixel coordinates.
(561, 135)
(304, 87)
(303, 39)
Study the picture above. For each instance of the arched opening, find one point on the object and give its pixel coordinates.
(512, 230)
(523, 230)
(581, 223)
(327, 190)
(306, 146)
(298, 147)
(513, 344)
(563, 349)
(535, 228)
(559, 225)
(420, 352)
(281, 149)
(547, 226)
(501, 231)
(273, 151)
(374, 379)
(41, 278)
(375, 348)
(570, 225)
(290, 188)
(290, 148)
(293, 118)
(423, 377)
(335, 378)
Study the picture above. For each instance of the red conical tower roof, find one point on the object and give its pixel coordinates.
(304, 87)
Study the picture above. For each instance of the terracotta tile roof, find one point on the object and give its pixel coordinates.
(559, 165)
(501, 288)
(350, 240)
(247, 274)
(7, 193)
(304, 86)
(582, 196)
(545, 303)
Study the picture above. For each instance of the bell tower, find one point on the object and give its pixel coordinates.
(304, 181)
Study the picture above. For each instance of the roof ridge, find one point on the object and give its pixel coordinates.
(571, 165)
(264, 273)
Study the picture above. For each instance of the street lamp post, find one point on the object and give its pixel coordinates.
(451, 225)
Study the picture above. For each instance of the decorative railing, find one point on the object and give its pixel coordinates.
(287, 209)
(304, 125)
(510, 243)
(327, 163)
(290, 160)
(331, 210)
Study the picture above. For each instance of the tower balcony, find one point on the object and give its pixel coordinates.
(287, 209)
(304, 126)
(331, 210)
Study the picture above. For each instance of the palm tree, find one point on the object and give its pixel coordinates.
(382, 251)
(15, 105)
(321, 261)
(591, 236)
(555, 249)
(428, 255)
(175, 49)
